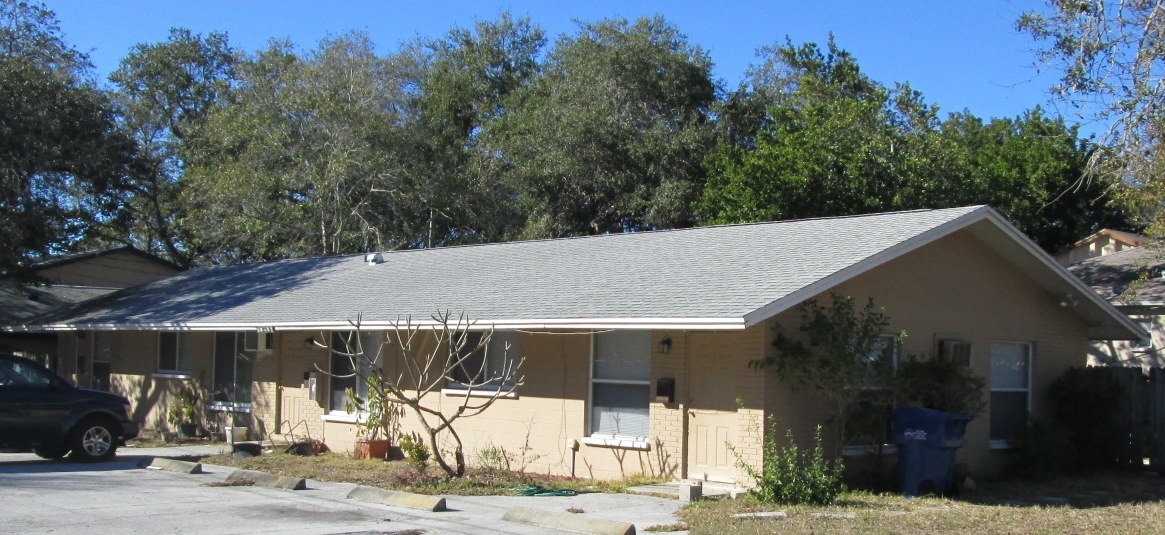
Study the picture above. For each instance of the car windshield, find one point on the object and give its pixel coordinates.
(17, 373)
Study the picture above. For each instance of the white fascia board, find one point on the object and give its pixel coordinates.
(429, 324)
(1078, 285)
(902, 248)
(890, 253)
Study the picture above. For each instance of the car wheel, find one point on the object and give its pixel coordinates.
(51, 452)
(93, 441)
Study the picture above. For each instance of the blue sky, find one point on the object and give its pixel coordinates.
(962, 54)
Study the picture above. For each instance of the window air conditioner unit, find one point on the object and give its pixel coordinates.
(258, 341)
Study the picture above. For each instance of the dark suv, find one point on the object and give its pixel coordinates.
(41, 411)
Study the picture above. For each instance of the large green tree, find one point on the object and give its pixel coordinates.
(610, 136)
(462, 193)
(831, 141)
(300, 162)
(164, 92)
(1111, 58)
(1028, 168)
(62, 162)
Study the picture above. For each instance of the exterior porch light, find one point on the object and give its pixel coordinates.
(665, 345)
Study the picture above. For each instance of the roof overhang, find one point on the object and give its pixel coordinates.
(1104, 321)
(703, 324)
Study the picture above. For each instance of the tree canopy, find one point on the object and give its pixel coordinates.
(202, 153)
(831, 142)
(610, 136)
(62, 158)
(1111, 56)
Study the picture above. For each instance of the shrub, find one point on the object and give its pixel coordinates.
(1087, 403)
(940, 384)
(415, 449)
(1046, 449)
(791, 476)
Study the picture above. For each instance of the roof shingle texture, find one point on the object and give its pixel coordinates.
(1111, 275)
(722, 272)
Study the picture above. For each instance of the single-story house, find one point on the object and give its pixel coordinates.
(605, 324)
(1133, 280)
(61, 281)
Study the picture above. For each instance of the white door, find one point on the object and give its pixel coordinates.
(712, 418)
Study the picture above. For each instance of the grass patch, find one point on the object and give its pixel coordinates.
(400, 475)
(1111, 503)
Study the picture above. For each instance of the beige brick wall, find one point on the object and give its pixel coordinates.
(550, 409)
(956, 289)
(135, 361)
(668, 422)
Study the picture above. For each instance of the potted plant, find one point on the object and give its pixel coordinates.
(182, 414)
(377, 421)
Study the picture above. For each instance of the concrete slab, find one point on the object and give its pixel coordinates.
(172, 465)
(263, 479)
(397, 498)
(761, 515)
(52, 497)
(672, 490)
(568, 522)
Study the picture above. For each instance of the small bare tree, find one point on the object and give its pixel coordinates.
(429, 357)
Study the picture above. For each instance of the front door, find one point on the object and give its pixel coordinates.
(712, 417)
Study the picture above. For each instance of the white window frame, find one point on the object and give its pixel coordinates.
(895, 349)
(502, 347)
(102, 356)
(608, 440)
(181, 339)
(340, 414)
(992, 389)
(231, 406)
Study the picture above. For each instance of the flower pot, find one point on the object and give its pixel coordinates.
(371, 449)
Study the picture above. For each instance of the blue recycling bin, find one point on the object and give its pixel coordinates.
(927, 441)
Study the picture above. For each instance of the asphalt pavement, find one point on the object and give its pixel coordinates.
(120, 496)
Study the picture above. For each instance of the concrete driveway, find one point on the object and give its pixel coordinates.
(38, 496)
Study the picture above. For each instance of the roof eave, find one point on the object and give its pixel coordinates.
(797, 297)
(718, 324)
(1119, 326)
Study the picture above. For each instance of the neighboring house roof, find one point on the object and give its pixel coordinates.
(1113, 276)
(1100, 243)
(723, 277)
(69, 279)
(20, 303)
(72, 258)
(1127, 238)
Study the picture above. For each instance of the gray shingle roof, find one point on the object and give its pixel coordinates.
(23, 302)
(711, 277)
(1111, 276)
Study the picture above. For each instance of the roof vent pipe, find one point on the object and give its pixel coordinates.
(373, 258)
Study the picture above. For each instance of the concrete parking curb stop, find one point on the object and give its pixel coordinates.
(568, 522)
(401, 499)
(174, 465)
(264, 479)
